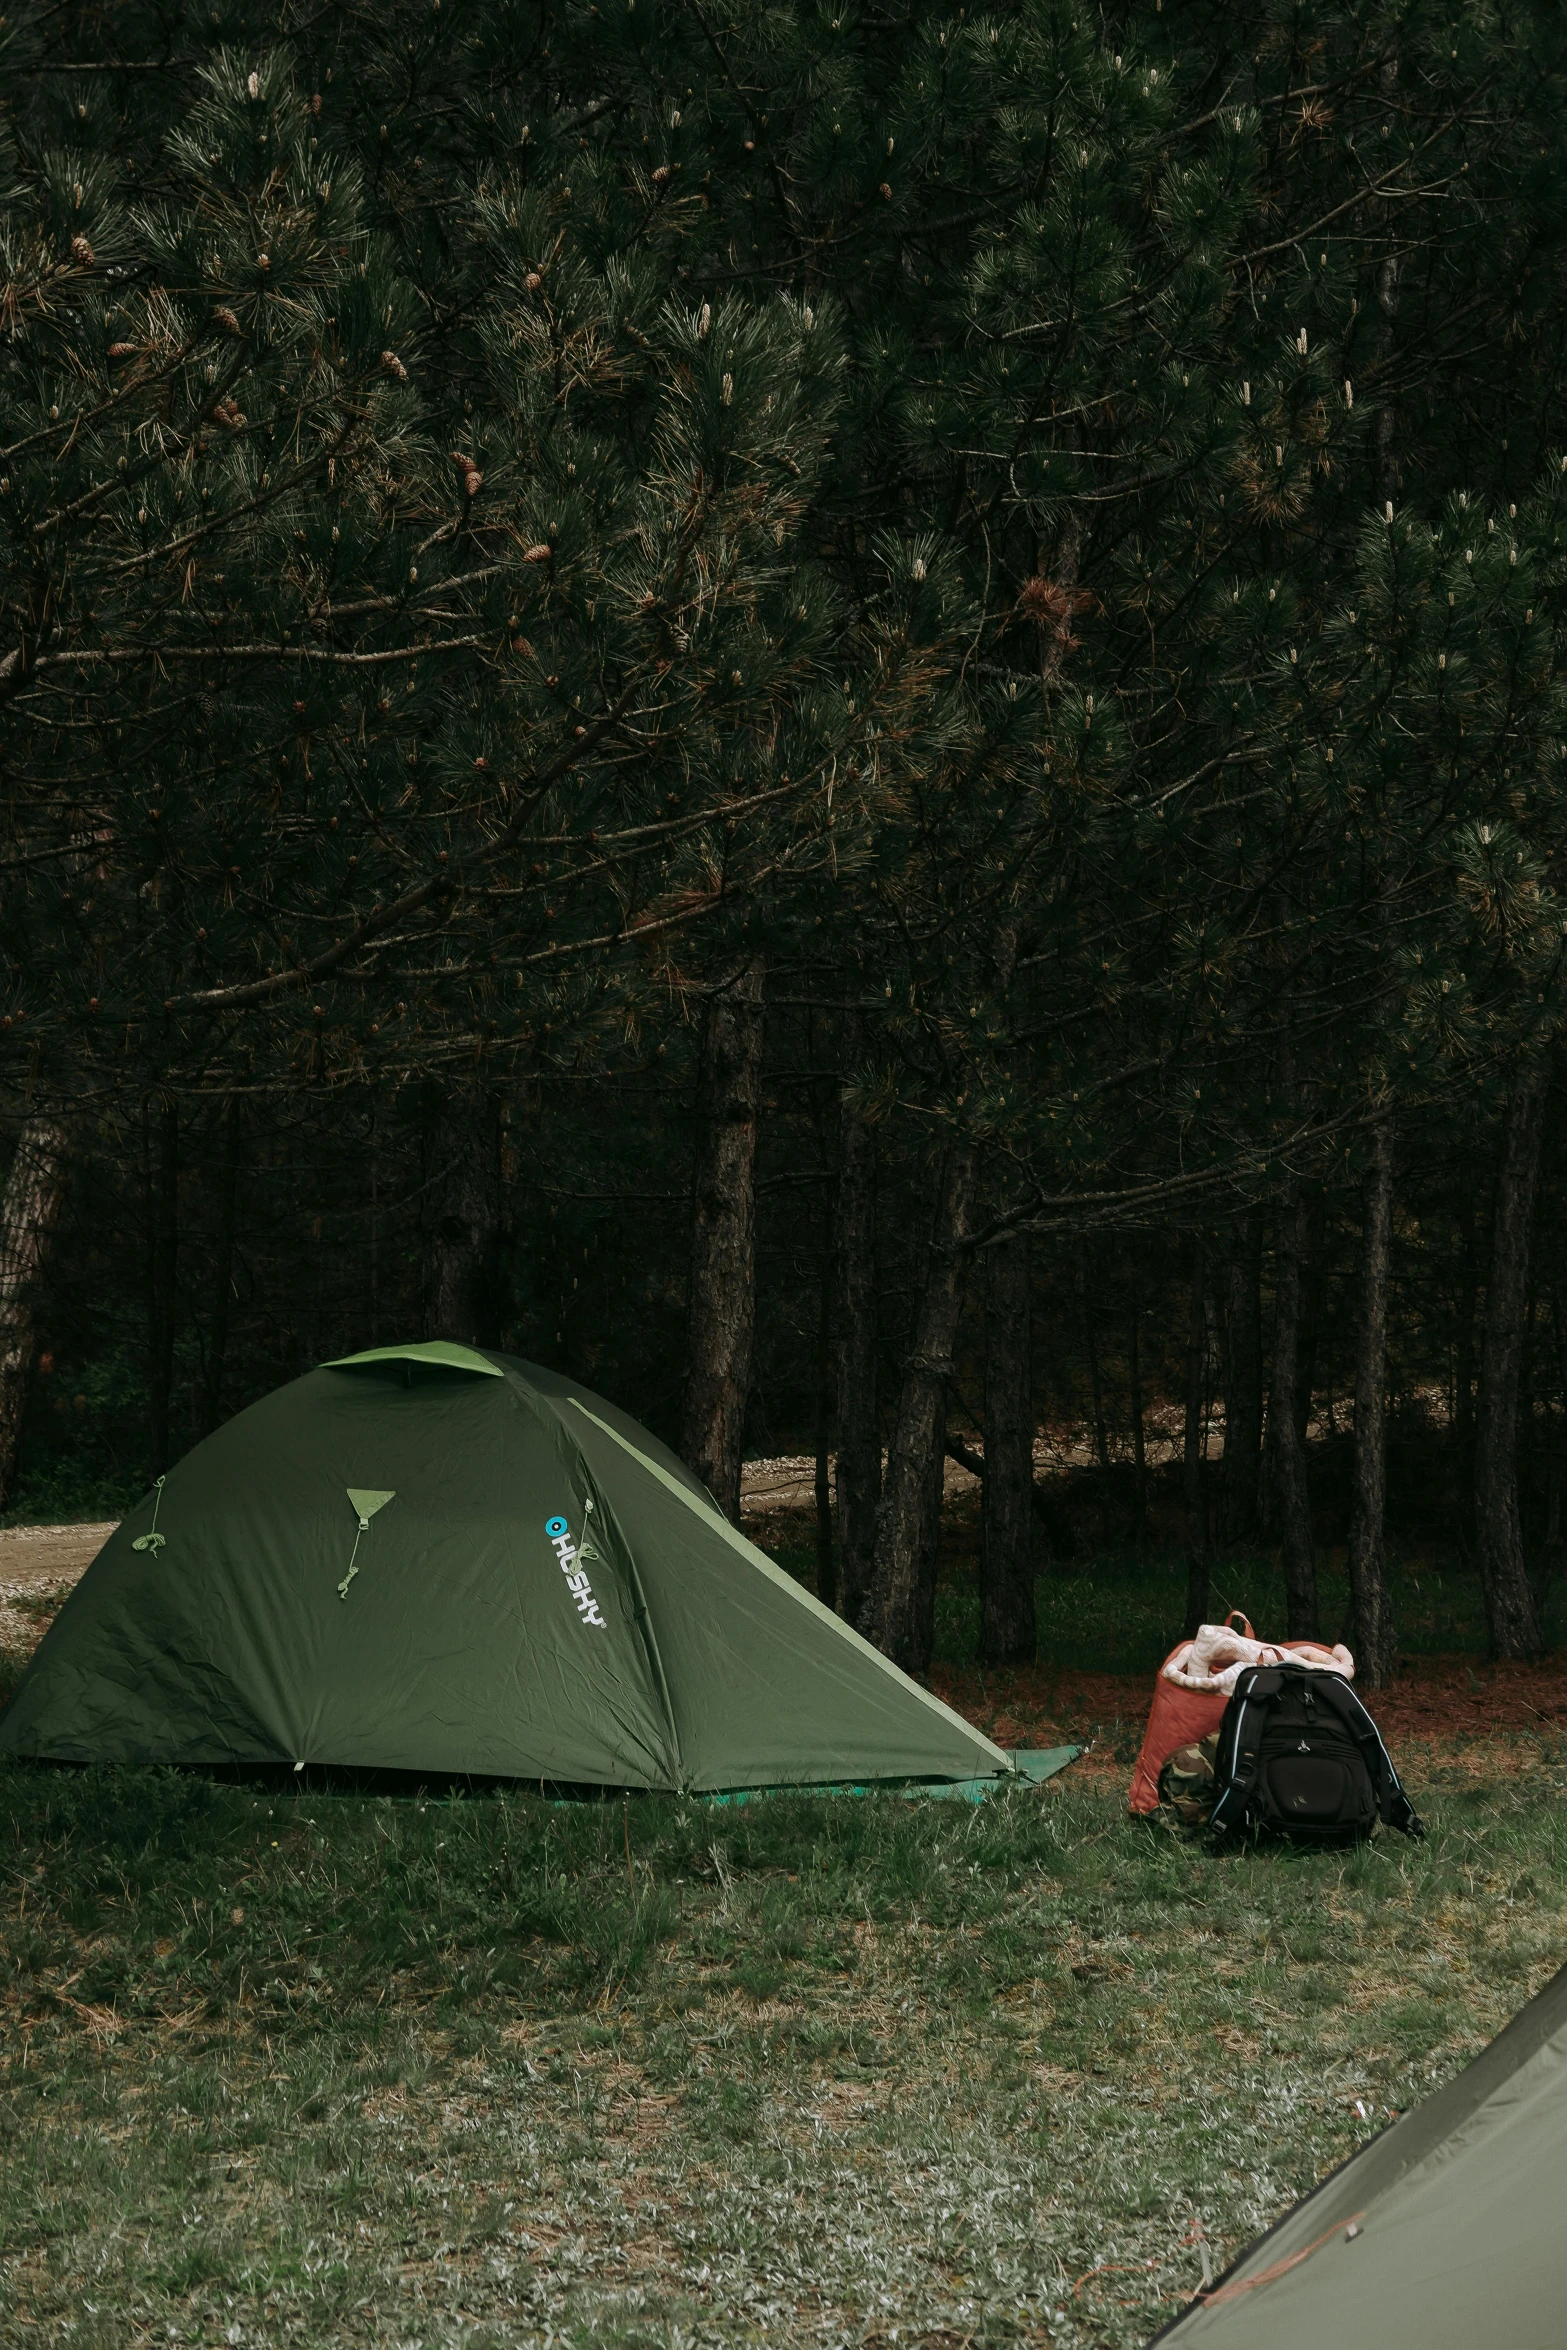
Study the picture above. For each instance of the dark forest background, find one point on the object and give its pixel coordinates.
(854, 723)
(319, 1235)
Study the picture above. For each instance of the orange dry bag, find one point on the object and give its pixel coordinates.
(1178, 1717)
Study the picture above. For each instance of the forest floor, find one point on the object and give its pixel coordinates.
(297, 2064)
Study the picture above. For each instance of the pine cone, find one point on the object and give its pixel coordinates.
(225, 317)
(394, 366)
(81, 251)
(538, 554)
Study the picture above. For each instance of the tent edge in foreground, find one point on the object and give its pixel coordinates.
(1346, 2200)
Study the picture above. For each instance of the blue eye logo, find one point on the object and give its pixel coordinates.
(555, 1528)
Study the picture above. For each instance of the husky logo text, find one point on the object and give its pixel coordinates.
(570, 1558)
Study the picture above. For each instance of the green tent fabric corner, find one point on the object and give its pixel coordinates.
(1030, 1768)
(1443, 2233)
(494, 1634)
(1042, 1762)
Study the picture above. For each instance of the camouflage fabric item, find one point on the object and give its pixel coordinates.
(1186, 1787)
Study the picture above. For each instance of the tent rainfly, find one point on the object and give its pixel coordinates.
(440, 1559)
(1445, 2233)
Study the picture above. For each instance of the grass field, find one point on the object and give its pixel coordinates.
(302, 2066)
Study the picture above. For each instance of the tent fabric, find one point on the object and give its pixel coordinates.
(425, 1350)
(541, 1591)
(1033, 1765)
(1444, 2233)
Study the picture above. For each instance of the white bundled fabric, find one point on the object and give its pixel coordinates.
(1218, 1656)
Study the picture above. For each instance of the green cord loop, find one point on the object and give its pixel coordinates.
(364, 1501)
(342, 1589)
(152, 1539)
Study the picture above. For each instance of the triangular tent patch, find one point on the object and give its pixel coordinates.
(367, 1500)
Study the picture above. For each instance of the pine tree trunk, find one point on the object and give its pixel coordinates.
(1193, 1495)
(1313, 1305)
(29, 1212)
(161, 1147)
(932, 1494)
(721, 1292)
(222, 1270)
(1551, 1564)
(1551, 1558)
(1526, 1382)
(1371, 1603)
(900, 1605)
(1006, 1559)
(1509, 1601)
(1464, 1356)
(373, 1153)
(857, 1482)
(462, 1235)
(826, 1563)
(1243, 1384)
(1370, 1600)
(1091, 1346)
(1134, 1365)
(1388, 274)
(1291, 1496)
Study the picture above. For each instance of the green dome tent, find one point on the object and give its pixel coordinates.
(430, 1558)
(1445, 2233)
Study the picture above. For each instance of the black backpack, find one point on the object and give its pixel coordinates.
(1299, 1754)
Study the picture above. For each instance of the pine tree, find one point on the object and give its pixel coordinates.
(509, 518)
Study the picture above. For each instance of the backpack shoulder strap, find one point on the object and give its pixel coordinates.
(1393, 1804)
(1238, 1760)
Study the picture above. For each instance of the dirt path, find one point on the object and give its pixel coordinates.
(41, 1558)
(40, 1562)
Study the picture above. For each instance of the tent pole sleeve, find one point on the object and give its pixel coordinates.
(595, 1505)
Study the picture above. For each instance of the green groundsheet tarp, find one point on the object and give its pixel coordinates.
(432, 1559)
(1031, 1766)
(1449, 2232)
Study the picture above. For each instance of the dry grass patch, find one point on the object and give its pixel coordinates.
(435, 2071)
